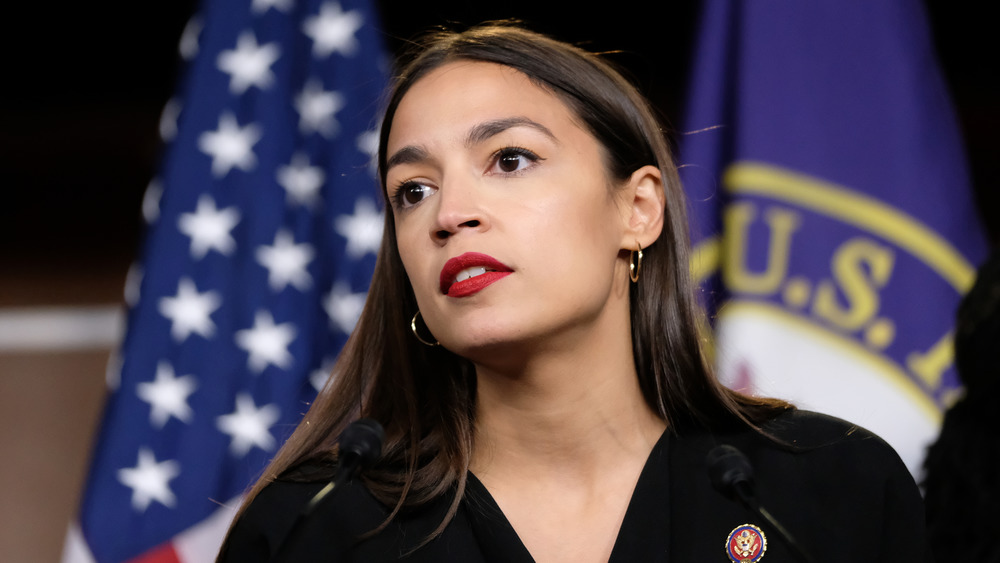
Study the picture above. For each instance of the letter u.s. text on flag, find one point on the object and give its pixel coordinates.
(832, 208)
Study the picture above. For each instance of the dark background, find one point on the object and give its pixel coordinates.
(84, 85)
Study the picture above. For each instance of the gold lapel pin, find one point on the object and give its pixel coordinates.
(746, 544)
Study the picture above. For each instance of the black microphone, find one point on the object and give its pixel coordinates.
(732, 476)
(360, 444)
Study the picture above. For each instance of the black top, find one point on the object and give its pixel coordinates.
(841, 491)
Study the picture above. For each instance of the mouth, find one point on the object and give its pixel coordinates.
(470, 273)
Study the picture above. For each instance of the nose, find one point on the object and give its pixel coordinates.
(460, 208)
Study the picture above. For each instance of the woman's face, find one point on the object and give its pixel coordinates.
(506, 221)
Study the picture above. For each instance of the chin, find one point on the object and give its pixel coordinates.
(484, 346)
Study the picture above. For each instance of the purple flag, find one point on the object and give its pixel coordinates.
(833, 210)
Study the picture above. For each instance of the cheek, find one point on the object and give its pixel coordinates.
(407, 253)
(575, 241)
(586, 215)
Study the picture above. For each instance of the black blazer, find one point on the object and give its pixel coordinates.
(840, 490)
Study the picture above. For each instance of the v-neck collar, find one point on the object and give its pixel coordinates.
(643, 535)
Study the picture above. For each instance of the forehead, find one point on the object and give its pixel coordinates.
(461, 93)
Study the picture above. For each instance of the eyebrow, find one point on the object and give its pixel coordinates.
(412, 154)
(487, 129)
(409, 154)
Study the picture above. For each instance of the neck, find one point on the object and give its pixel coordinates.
(580, 411)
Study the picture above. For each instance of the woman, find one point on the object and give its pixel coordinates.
(530, 344)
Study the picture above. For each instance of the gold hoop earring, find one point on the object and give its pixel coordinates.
(634, 265)
(413, 327)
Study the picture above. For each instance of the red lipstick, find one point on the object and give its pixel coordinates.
(495, 270)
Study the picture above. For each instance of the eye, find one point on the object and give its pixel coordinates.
(511, 160)
(410, 193)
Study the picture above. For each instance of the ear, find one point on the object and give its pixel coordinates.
(643, 207)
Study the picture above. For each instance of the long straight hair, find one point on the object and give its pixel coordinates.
(425, 396)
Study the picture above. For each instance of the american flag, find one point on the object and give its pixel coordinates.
(262, 230)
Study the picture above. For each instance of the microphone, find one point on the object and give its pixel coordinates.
(360, 444)
(732, 476)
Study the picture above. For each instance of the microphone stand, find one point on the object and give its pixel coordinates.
(360, 445)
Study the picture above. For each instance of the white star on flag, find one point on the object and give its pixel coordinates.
(333, 30)
(249, 426)
(286, 262)
(261, 6)
(167, 395)
(113, 373)
(188, 46)
(367, 143)
(168, 119)
(133, 283)
(363, 229)
(343, 307)
(150, 480)
(319, 376)
(266, 343)
(209, 227)
(190, 311)
(317, 108)
(301, 181)
(227, 330)
(230, 145)
(249, 64)
(151, 201)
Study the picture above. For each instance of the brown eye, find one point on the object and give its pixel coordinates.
(510, 162)
(513, 159)
(412, 193)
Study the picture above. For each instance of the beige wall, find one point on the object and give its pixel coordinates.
(50, 405)
(49, 409)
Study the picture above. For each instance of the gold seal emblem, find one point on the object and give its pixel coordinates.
(746, 544)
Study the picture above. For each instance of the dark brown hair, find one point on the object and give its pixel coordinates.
(425, 396)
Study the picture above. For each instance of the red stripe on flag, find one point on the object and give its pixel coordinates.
(164, 553)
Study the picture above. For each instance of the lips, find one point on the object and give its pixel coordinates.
(470, 273)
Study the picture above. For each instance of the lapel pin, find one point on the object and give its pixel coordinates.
(746, 544)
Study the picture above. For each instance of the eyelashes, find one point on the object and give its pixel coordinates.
(505, 162)
(410, 193)
(511, 160)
